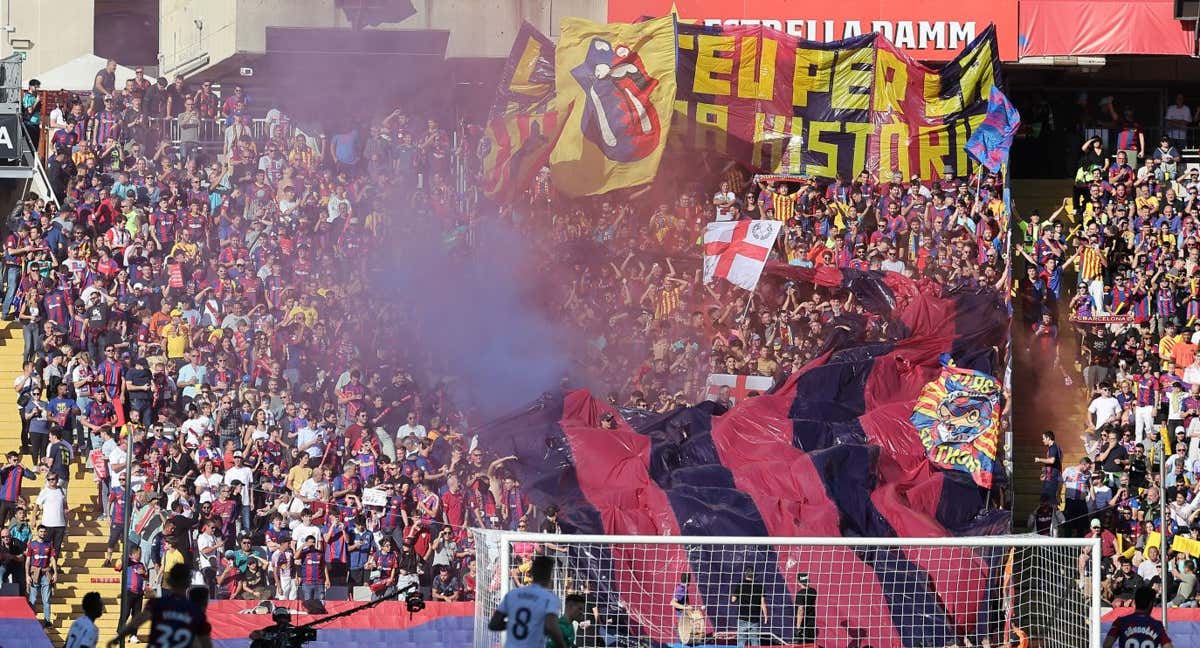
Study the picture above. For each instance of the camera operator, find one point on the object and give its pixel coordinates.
(283, 634)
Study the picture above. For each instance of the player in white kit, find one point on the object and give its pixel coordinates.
(83, 633)
(529, 614)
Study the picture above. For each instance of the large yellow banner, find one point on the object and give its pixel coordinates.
(616, 88)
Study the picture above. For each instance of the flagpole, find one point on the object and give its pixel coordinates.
(127, 503)
(749, 300)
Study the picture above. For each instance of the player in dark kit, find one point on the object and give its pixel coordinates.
(175, 620)
(1139, 629)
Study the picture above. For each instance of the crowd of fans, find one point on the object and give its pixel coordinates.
(1131, 235)
(655, 331)
(215, 310)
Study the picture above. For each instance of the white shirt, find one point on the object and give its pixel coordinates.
(306, 434)
(244, 475)
(82, 373)
(525, 609)
(302, 531)
(1182, 113)
(203, 542)
(83, 634)
(1147, 569)
(310, 489)
(723, 210)
(117, 456)
(208, 487)
(195, 428)
(53, 505)
(1104, 409)
(407, 430)
(58, 121)
(892, 266)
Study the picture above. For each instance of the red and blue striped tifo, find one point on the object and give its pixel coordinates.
(830, 452)
(19, 626)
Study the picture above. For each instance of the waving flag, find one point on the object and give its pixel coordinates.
(993, 137)
(523, 125)
(514, 147)
(615, 85)
(831, 452)
(737, 251)
(527, 84)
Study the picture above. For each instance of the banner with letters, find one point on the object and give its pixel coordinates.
(780, 104)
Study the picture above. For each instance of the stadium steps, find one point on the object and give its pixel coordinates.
(81, 564)
(1041, 399)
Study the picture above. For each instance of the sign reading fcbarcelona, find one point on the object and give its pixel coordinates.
(958, 418)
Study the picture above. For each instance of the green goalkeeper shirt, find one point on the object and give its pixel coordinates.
(568, 632)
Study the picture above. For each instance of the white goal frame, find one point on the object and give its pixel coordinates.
(496, 546)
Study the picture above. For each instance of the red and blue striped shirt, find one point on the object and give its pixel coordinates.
(40, 554)
(12, 476)
(113, 375)
(335, 545)
(117, 497)
(312, 567)
(1146, 387)
(135, 578)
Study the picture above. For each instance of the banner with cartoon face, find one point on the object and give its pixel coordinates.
(616, 86)
(958, 418)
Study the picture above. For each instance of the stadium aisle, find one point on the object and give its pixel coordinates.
(81, 566)
(1041, 399)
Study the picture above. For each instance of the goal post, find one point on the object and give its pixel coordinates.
(720, 591)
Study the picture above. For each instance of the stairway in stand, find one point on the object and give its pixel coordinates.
(1041, 398)
(81, 567)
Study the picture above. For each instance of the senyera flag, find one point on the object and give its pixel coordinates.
(993, 137)
(514, 148)
(832, 451)
(737, 250)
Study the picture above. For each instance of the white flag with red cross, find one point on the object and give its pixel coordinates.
(737, 251)
(739, 386)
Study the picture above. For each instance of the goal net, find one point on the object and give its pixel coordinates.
(710, 591)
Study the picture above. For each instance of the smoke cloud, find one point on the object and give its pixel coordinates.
(480, 315)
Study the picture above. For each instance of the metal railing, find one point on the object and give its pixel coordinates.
(1184, 139)
(212, 131)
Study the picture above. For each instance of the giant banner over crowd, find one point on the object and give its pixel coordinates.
(837, 449)
(780, 104)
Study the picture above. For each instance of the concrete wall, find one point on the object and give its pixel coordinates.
(61, 31)
(478, 28)
(64, 29)
(486, 28)
(180, 40)
(254, 16)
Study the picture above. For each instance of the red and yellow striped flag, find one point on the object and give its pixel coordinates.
(513, 148)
